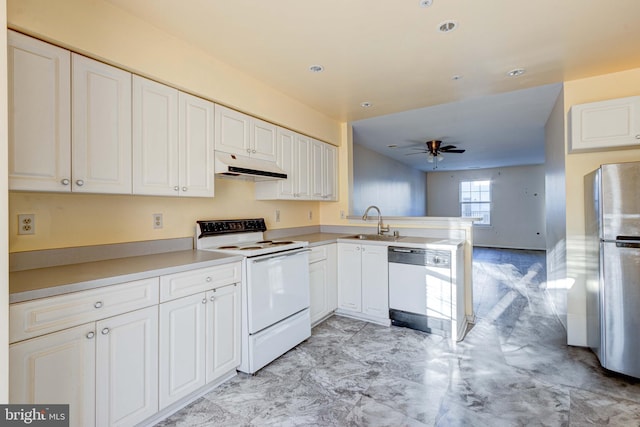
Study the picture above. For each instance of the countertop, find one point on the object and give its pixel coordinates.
(316, 239)
(44, 282)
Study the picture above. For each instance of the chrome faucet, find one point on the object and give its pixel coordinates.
(381, 228)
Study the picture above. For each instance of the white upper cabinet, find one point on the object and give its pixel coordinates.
(101, 136)
(330, 173)
(607, 124)
(39, 115)
(317, 169)
(196, 138)
(241, 134)
(155, 138)
(172, 141)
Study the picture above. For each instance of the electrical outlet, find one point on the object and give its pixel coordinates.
(310, 215)
(157, 220)
(27, 224)
(277, 215)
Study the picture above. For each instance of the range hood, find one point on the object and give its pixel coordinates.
(241, 167)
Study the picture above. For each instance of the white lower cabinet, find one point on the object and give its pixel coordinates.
(106, 371)
(323, 282)
(199, 341)
(57, 368)
(363, 281)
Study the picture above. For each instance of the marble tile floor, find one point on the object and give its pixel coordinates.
(512, 369)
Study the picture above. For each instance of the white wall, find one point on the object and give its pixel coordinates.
(397, 189)
(517, 216)
(555, 206)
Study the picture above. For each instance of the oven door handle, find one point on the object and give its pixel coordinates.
(279, 257)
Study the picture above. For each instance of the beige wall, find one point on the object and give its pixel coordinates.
(104, 32)
(609, 86)
(4, 259)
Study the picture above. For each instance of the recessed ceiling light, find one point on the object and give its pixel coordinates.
(316, 68)
(516, 72)
(426, 3)
(366, 104)
(447, 26)
(456, 77)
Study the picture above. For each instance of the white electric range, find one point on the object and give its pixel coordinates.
(275, 287)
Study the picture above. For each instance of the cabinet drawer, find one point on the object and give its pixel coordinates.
(191, 282)
(42, 316)
(318, 253)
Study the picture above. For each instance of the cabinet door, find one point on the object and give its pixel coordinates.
(317, 169)
(182, 348)
(39, 115)
(101, 138)
(263, 140)
(232, 131)
(287, 160)
(375, 281)
(223, 331)
(332, 277)
(196, 146)
(606, 124)
(57, 368)
(155, 138)
(127, 368)
(318, 281)
(330, 173)
(349, 277)
(303, 171)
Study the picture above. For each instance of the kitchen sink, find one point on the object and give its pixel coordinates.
(378, 237)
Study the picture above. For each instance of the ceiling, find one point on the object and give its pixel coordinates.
(391, 54)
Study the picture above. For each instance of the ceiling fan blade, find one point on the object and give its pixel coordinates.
(447, 147)
(418, 152)
(455, 151)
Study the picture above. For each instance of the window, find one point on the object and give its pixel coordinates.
(475, 200)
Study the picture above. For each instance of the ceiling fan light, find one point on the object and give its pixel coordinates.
(440, 157)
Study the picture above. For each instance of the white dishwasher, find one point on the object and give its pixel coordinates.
(420, 289)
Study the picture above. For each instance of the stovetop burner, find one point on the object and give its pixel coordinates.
(282, 242)
(228, 247)
(250, 248)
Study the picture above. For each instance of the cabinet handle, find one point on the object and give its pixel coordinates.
(248, 150)
(65, 181)
(184, 189)
(79, 183)
(212, 298)
(176, 188)
(105, 331)
(204, 300)
(98, 304)
(209, 278)
(90, 335)
(637, 136)
(253, 151)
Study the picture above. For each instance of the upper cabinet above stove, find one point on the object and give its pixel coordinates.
(241, 134)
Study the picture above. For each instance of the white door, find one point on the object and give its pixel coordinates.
(223, 331)
(155, 138)
(287, 161)
(232, 131)
(101, 137)
(39, 115)
(278, 286)
(127, 368)
(263, 140)
(330, 173)
(317, 170)
(196, 146)
(303, 167)
(318, 281)
(349, 277)
(182, 347)
(375, 281)
(57, 368)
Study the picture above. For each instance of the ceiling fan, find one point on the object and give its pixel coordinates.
(434, 150)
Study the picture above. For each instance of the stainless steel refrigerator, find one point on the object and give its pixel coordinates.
(612, 260)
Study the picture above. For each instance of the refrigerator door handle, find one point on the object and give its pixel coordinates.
(628, 241)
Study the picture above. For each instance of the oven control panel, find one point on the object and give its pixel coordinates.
(216, 227)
